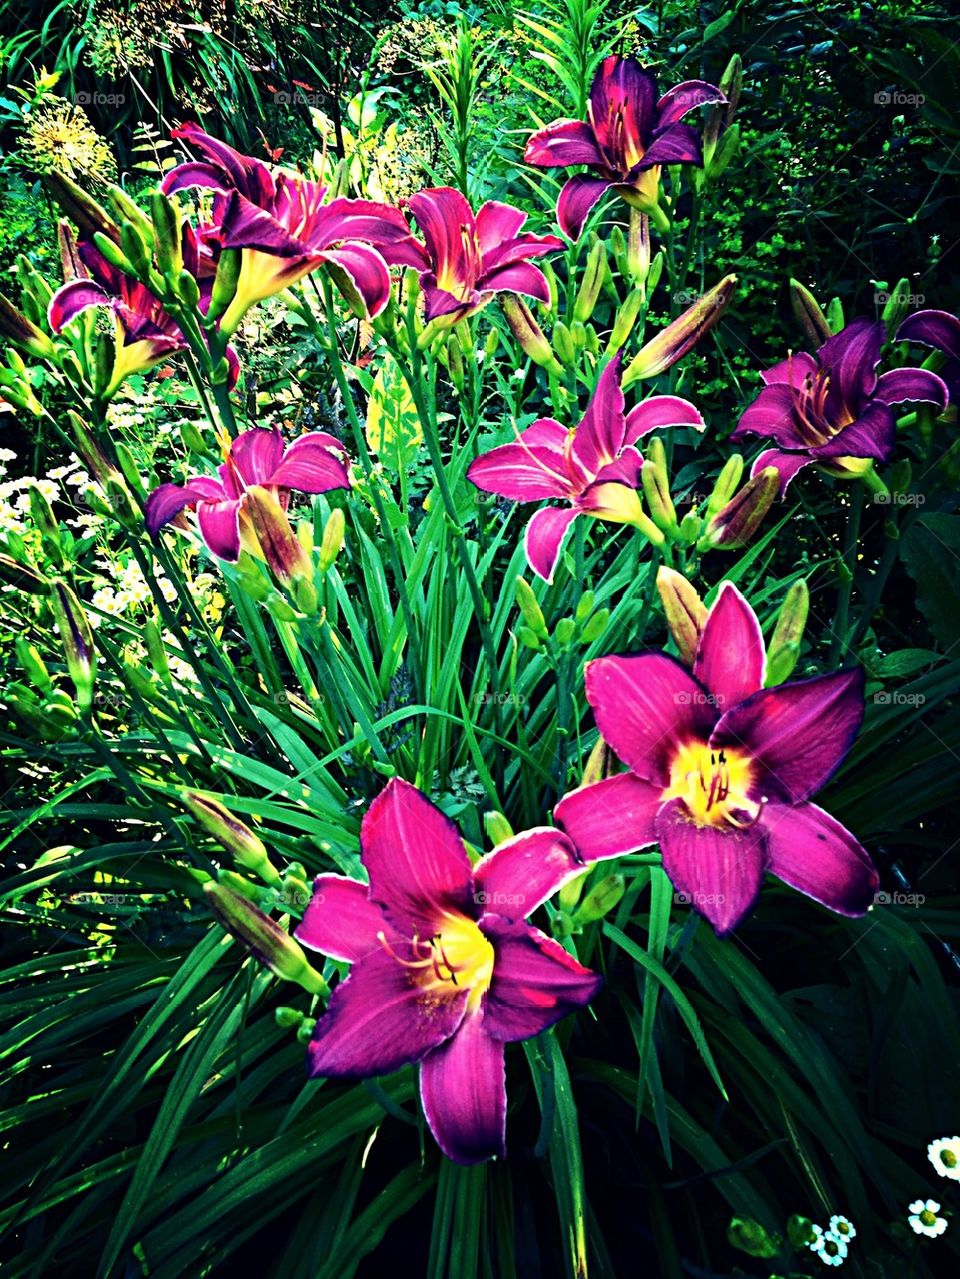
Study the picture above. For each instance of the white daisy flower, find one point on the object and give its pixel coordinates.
(924, 1219)
(830, 1248)
(944, 1154)
(842, 1227)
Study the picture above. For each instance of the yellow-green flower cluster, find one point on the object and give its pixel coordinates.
(58, 137)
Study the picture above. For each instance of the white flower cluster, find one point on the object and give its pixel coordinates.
(831, 1245)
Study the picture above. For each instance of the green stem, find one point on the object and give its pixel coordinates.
(850, 543)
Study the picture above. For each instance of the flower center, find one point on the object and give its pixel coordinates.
(714, 784)
(456, 957)
(948, 1158)
(928, 1218)
(830, 1248)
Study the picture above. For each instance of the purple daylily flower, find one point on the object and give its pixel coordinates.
(628, 134)
(314, 463)
(471, 256)
(286, 230)
(721, 772)
(444, 969)
(832, 409)
(595, 468)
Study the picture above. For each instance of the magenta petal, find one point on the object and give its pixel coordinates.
(873, 435)
(379, 1020)
(544, 537)
(535, 981)
(361, 275)
(520, 472)
(786, 464)
(416, 860)
(516, 277)
(341, 921)
(661, 411)
(645, 707)
(680, 144)
(610, 818)
(577, 198)
(497, 223)
(718, 869)
(918, 386)
(220, 528)
(196, 173)
(256, 453)
(561, 143)
(600, 436)
(731, 658)
(464, 1094)
(166, 502)
(676, 102)
(523, 872)
(938, 329)
(546, 431)
(852, 356)
(794, 370)
(314, 463)
(798, 733)
(71, 299)
(771, 415)
(809, 850)
(442, 214)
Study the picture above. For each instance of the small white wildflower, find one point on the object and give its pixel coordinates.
(830, 1248)
(944, 1154)
(842, 1227)
(924, 1219)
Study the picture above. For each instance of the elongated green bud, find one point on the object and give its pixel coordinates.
(156, 650)
(23, 333)
(114, 254)
(166, 230)
(135, 248)
(807, 313)
(34, 286)
(89, 450)
(530, 608)
(240, 884)
(187, 290)
(656, 486)
(726, 485)
(601, 900)
(232, 834)
(551, 276)
(896, 305)
(224, 283)
(454, 357)
(602, 763)
(281, 547)
(491, 344)
(264, 937)
(528, 333)
(82, 210)
(569, 894)
(33, 665)
(332, 540)
(835, 315)
(563, 342)
(591, 284)
(784, 650)
(497, 827)
(23, 576)
(736, 523)
(127, 210)
(618, 247)
(684, 610)
(720, 115)
(638, 248)
(682, 334)
(596, 626)
(726, 150)
(584, 607)
(77, 639)
(625, 321)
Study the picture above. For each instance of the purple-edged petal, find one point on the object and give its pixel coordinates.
(852, 356)
(599, 437)
(731, 658)
(256, 454)
(520, 472)
(380, 1019)
(719, 869)
(314, 463)
(544, 537)
(464, 1094)
(579, 195)
(919, 386)
(787, 465)
(496, 224)
(794, 370)
(772, 415)
(680, 144)
(522, 873)
(676, 102)
(220, 528)
(873, 434)
(341, 921)
(810, 850)
(361, 275)
(442, 213)
(661, 411)
(938, 329)
(72, 298)
(622, 107)
(414, 855)
(548, 432)
(798, 733)
(196, 173)
(516, 277)
(561, 143)
(645, 707)
(612, 817)
(166, 502)
(535, 981)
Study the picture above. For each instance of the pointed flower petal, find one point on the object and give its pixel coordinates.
(522, 873)
(561, 143)
(314, 463)
(544, 537)
(464, 1094)
(580, 193)
(810, 850)
(341, 921)
(611, 817)
(731, 657)
(919, 386)
(535, 981)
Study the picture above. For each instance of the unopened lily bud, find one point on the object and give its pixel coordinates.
(618, 247)
(656, 486)
(497, 827)
(530, 608)
(807, 313)
(71, 267)
(281, 547)
(23, 576)
(82, 210)
(166, 230)
(569, 894)
(584, 607)
(591, 284)
(626, 319)
(684, 610)
(77, 639)
(491, 344)
(579, 334)
(896, 307)
(454, 358)
(33, 665)
(240, 884)
(34, 286)
(551, 277)
(42, 516)
(784, 649)
(596, 626)
(232, 834)
(127, 210)
(332, 540)
(529, 638)
(690, 527)
(23, 333)
(600, 900)
(835, 319)
(89, 451)
(563, 342)
(726, 485)
(564, 631)
(528, 333)
(720, 115)
(726, 149)
(288, 1018)
(602, 763)
(188, 291)
(224, 283)
(682, 334)
(736, 524)
(135, 248)
(114, 254)
(155, 649)
(638, 249)
(264, 937)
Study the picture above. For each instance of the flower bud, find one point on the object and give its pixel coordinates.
(551, 277)
(734, 526)
(600, 900)
(563, 341)
(23, 333)
(46, 525)
(224, 283)
(134, 246)
(23, 576)
(188, 291)
(114, 254)
(656, 486)
(497, 827)
(638, 249)
(264, 937)
(835, 319)
(35, 289)
(454, 360)
(332, 541)
(153, 639)
(89, 451)
(684, 610)
(569, 894)
(601, 764)
(530, 608)
(166, 230)
(232, 834)
(897, 306)
(491, 344)
(33, 665)
(528, 333)
(589, 292)
(596, 626)
(82, 210)
(625, 321)
(77, 639)
(727, 148)
(682, 334)
(726, 485)
(281, 547)
(240, 884)
(126, 210)
(807, 313)
(784, 648)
